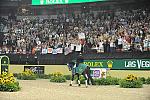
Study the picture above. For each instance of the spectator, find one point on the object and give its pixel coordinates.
(105, 32)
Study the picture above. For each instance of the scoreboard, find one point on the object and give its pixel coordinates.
(49, 2)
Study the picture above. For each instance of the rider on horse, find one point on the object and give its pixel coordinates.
(79, 68)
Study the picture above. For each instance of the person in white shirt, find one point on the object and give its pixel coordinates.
(112, 45)
(145, 44)
(120, 43)
(101, 46)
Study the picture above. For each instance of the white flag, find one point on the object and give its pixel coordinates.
(72, 46)
(67, 50)
(78, 47)
(54, 51)
(59, 50)
(44, 51)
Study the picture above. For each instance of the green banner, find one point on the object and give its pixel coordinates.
(120, 64)
(48, 2)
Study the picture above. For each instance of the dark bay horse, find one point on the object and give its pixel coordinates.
(82, 69)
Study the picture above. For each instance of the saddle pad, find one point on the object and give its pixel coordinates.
(81, 68)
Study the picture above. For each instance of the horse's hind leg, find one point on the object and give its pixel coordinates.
(78, 80)
(86, 78)
(72, 80)
(90, 79)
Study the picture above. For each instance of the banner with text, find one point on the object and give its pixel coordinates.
(120, 64)
(48, 2)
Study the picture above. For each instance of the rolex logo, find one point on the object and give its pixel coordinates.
(109, 64)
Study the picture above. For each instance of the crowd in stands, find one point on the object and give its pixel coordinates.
(114, 31)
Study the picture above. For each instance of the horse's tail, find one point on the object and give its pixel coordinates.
(89, 76)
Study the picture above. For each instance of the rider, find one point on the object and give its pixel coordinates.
(80, 59)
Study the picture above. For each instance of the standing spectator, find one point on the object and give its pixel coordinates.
(106, 46)
(112, 45)
(120, 43)
(101, 46)
(146, 43)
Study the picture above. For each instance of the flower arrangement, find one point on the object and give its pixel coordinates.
(131, 77)
(142, 79)
(27, 75)
(57, 74)
(57, 77)
(8, 82)
(148, 80)
(131, 81)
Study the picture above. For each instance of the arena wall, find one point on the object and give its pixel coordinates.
(47, 68)
(64, 70)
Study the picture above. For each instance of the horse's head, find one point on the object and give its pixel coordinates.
(70, 65)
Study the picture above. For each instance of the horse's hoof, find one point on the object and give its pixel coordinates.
(86, 86)
(79, 84)
(70, 85)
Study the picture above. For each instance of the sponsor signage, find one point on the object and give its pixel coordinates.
(120, 64)
(98, 72)
(35, 69)
(48, 2)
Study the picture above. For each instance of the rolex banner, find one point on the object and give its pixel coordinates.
(138, 64)
(49, 2)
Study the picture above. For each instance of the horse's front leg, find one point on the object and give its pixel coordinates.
(78, 80)
(72, 80)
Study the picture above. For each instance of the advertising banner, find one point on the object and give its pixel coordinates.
(98, 72)
(47, 2)
(136, 64)
(35, 69)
